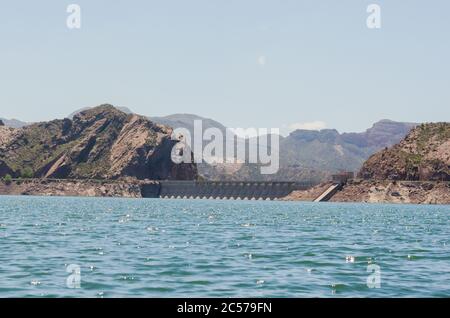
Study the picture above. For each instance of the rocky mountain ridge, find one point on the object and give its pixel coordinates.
(98, 143)
(423, 155)
(304, 154)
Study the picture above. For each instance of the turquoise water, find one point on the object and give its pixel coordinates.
(184, 248)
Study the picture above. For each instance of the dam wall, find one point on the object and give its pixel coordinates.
(152, 188)
(221, 190)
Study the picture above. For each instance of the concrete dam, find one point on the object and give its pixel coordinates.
(221, 189)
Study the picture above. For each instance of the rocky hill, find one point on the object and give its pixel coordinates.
(304, 154)
(125, 110)
(388, 191)
(424, 155)
(98, 143)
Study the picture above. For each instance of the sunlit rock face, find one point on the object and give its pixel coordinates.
(424, 154)
(99, 143)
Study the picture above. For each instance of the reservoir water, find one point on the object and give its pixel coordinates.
(200, 248)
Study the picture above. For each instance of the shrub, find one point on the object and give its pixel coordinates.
(7, 179)
(27, 173)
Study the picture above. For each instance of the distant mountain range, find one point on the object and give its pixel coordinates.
(327, 151)
(304, 154)
(13, 123)
(187, 121)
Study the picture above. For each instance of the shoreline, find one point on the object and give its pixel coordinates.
(383, 191)
(355, 191)
(75, 188)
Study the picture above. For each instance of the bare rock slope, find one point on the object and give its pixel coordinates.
(423, 155)
(385, 191)
(99, 143)
(416, 170)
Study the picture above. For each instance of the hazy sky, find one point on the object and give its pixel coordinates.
(273, 63)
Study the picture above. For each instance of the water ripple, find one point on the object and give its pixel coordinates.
(188, 248)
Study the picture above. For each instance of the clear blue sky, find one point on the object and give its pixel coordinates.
(260, 63)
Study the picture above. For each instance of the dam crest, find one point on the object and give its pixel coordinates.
(223, 190)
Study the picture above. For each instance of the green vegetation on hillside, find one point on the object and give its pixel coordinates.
(7, 179)
(422, 155)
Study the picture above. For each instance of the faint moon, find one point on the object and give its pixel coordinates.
(262, 60)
